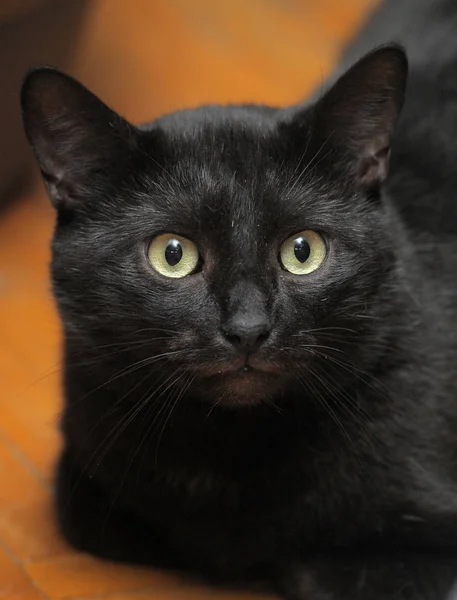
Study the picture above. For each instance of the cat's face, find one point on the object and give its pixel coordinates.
(244, 250)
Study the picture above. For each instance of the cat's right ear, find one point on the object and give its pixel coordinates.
(355, 119)
(77, 140)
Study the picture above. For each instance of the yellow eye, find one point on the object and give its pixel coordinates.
(303, 253)
(172, 255)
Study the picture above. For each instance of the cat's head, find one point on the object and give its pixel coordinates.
(242, 249)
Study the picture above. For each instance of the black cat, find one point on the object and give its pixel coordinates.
(260, 328)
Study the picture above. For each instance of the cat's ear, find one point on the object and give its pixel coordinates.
(77, 139)
(359, 113)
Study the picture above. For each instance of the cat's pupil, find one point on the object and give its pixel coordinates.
(301, 250)
(173, 252)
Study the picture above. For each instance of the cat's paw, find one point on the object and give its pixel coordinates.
(298, 582)
(393, 576)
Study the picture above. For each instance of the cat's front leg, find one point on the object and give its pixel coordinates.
(90, 522)
(424, 576)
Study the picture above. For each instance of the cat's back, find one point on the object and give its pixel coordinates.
(423, 174)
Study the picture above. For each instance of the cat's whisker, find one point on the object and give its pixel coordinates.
(366, 378)
(144, 437)
(273, 405)
(58, 367)
(179, 396)
(214, 406)
(308, 166)
(130, 416)
(101, 357)
(362, 375)
(309, 384)
(151, 158)
(343, 399)
(125, 343)
(130, 370)
(289, 185)
(95, 454)
(322, 347)
(145, 362)
(322, 329)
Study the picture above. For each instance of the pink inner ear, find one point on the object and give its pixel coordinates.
(373, 165)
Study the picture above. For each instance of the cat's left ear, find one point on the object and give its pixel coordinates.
(359, 113)
(80, 143)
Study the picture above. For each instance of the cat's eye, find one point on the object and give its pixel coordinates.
(173, 255)
(303, 253)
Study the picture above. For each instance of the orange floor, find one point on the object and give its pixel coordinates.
(144, 57)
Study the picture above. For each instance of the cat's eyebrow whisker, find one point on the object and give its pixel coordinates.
(290, 187)
(151, 158)
(310, 163)
(306, 168)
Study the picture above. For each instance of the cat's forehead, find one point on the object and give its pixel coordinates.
(236, 139)
(228, 168)
(191, 121)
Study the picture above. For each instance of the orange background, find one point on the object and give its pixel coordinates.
(143, 57)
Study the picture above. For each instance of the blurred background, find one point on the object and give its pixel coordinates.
(143, 58)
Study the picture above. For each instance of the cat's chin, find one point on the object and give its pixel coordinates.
(241, 387)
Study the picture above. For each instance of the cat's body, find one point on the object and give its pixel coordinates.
(338, 479)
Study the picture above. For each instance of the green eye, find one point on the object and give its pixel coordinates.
(172, 255)
(303, 253)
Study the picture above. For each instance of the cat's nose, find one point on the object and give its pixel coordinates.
(247, 334)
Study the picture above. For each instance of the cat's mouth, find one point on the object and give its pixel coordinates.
(243, 366)
(245, 381)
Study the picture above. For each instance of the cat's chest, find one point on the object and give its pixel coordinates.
(274, 501)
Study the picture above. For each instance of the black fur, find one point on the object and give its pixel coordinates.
(331, 472)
